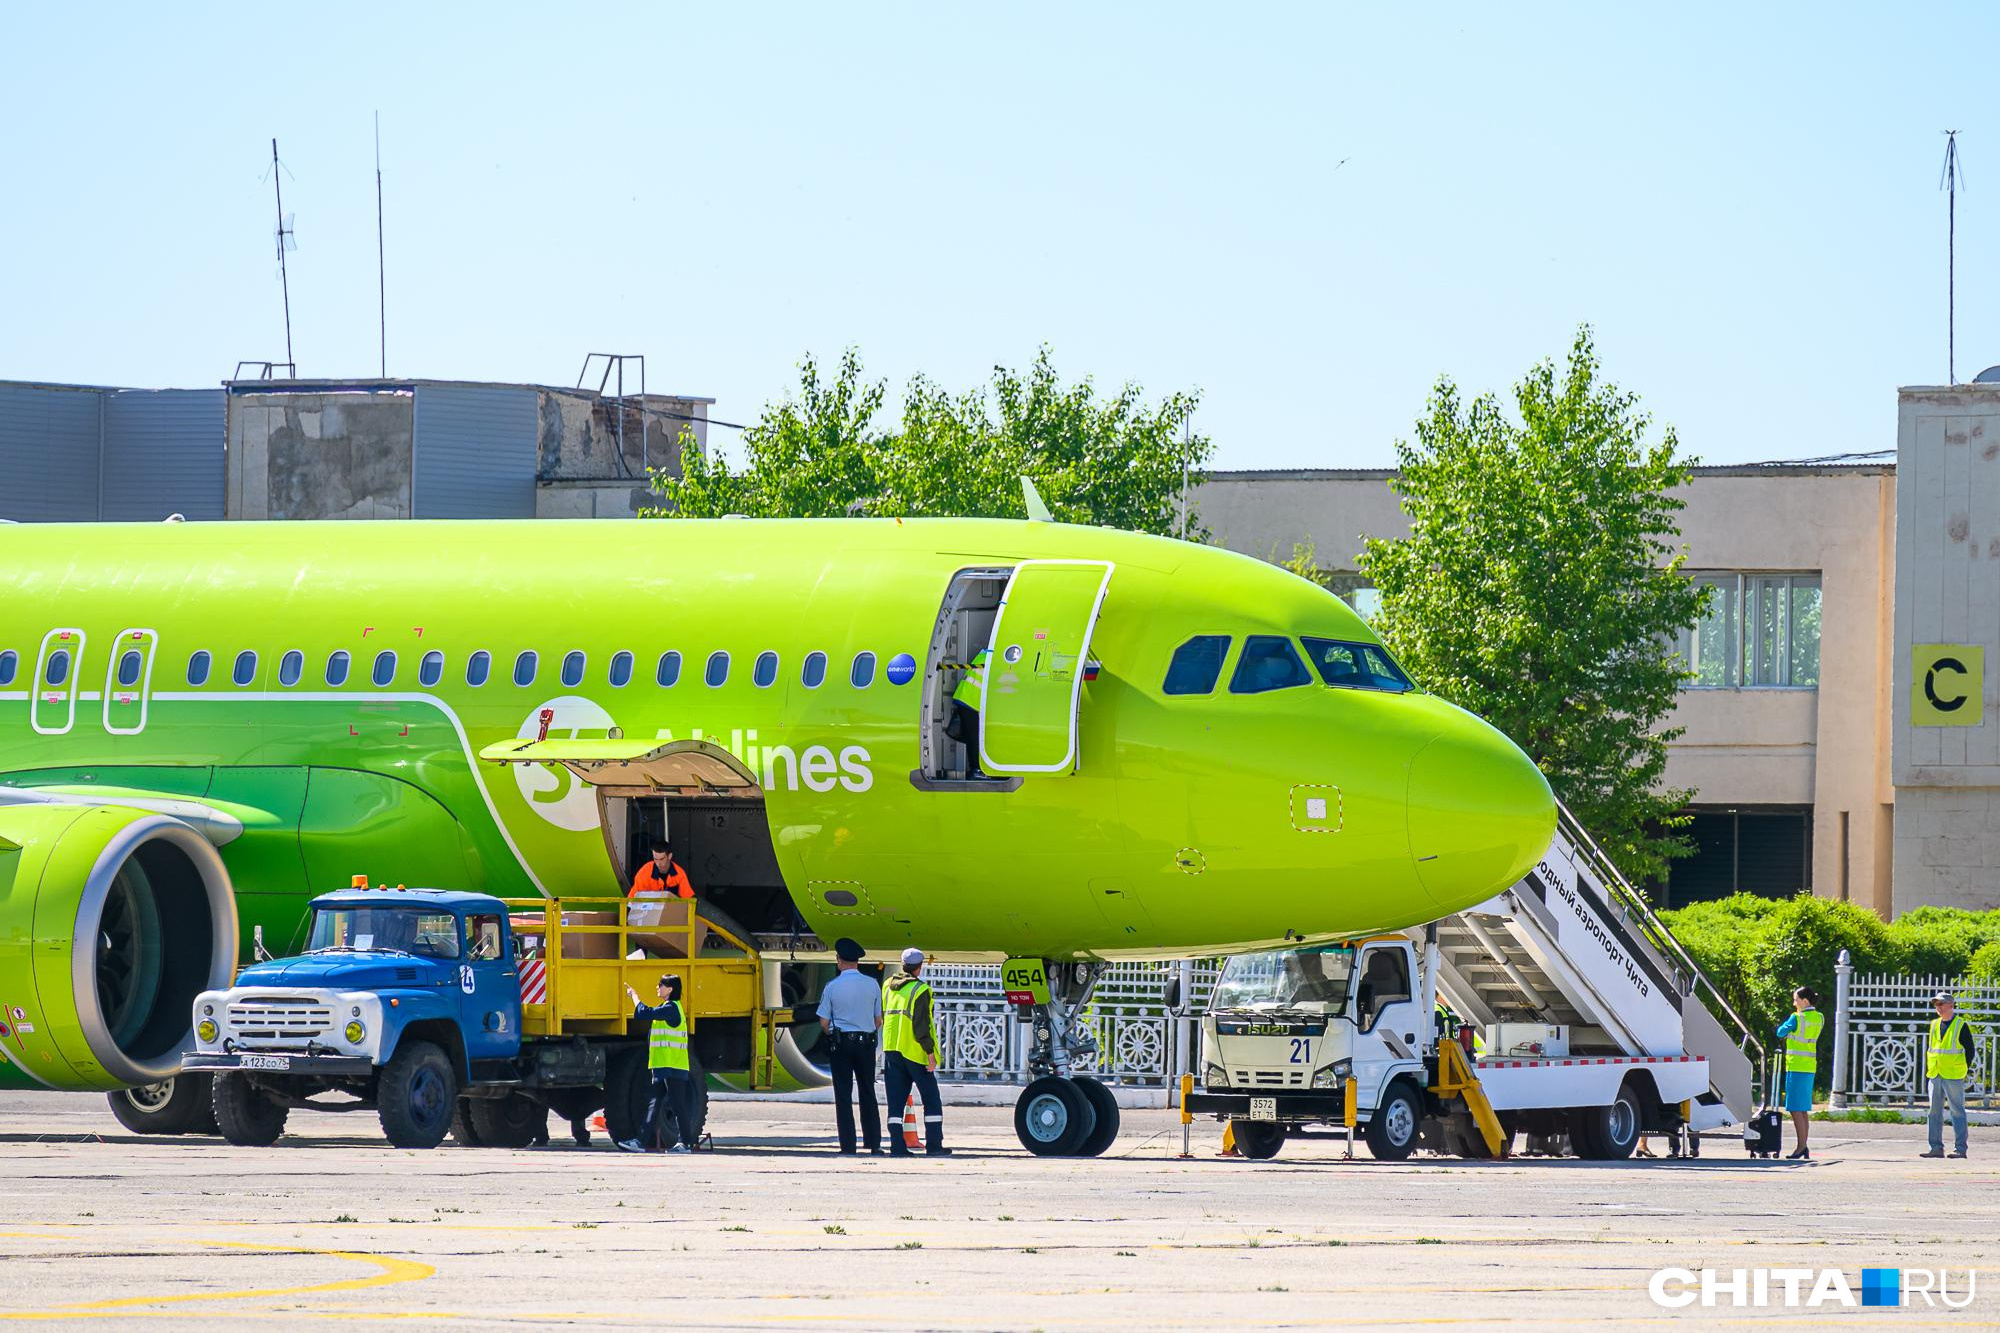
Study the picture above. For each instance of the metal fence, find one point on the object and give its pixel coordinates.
(1881, 1022)
(1141, 1043)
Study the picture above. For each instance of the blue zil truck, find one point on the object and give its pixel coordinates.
(464, 1013)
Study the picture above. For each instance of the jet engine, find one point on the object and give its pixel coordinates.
(112, 919)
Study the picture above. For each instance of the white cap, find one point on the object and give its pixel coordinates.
(912, 957)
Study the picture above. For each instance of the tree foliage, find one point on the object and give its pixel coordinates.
(1540, 588)
(1099, 459)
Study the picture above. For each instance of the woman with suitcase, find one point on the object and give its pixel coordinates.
(1800, 1033)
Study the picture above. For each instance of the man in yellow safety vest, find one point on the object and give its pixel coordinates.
(667, 1060)
(966, 702)
(1947, 1059)
(909, 1053)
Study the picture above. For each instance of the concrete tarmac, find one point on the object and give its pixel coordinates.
(333, 1228)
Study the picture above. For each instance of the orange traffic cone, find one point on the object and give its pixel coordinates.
(912, 1134)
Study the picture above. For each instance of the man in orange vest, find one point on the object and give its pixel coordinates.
(662, 875)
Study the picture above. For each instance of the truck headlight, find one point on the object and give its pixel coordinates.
(354, 1032)
(205, 1029)
(1215, 1076)
(1334, 1075)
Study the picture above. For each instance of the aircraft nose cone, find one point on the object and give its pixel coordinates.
(1481, 814)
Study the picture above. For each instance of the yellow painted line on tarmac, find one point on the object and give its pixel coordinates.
(393, 1271)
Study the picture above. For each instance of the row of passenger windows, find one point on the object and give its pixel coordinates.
(1272, 662)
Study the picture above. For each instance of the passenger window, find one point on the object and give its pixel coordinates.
(1197, 665)
(130, 663)
(718, 668)
(668, 672)
(524, 668)
(198, 667)
(385, 667)
(478, 667)
(431, 669)
(245, 670)
(862, 674)
(290, 667)
(337, 663)
(57, 670)
(572, 669)
(1269, 662)
(621, 670)
(1385, 979)
(765, 673)
(814, 673)
(1356, 666)
(10, 662)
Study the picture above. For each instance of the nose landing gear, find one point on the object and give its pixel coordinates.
(1061, 1113)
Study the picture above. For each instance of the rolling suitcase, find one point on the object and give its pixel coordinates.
(1764, 1131)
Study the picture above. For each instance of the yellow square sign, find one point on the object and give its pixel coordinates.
(1947, 684)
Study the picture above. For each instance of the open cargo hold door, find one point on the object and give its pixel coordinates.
(698, 766)
(1035, 671)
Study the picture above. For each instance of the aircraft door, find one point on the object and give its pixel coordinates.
(128, 681)
(58, 665)
(492, 996)
(1035, 667)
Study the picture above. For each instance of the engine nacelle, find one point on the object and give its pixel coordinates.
(112, 920)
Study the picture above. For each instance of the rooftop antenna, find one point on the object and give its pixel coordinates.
(381, 271)
(1951, 180)
(286, 241)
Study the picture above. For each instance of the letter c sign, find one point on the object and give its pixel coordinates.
(1947, 684)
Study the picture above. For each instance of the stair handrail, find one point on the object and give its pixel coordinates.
(1633, 903)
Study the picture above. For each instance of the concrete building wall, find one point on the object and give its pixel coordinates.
(1825, 748)
(320, 453)
(1947, 754)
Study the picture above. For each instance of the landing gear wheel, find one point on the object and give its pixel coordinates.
(417, 1094)
(1105, 1103)
(507, 1122)
(1053, 1117)
(1258, 1140)
(246, 1116)
(462, 1127)
(184, 1104)
(1392, 1131)
(1608, 1133)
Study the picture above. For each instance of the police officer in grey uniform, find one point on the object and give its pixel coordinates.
(850, 1014)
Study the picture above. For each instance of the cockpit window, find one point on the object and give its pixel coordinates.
(1356, 666)
(1197, 664)
(1269, 662)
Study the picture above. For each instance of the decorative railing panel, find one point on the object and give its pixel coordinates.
(1881, 1023)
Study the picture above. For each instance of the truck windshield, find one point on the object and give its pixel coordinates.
(385, 930)
(1286, 977)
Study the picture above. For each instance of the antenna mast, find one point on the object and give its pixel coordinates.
(1950, 181)
(381, 274)
(285, 242)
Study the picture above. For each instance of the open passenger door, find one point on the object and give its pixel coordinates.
(691, 765)
(1034, 673)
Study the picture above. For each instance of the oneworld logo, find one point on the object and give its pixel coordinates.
(1809, 1288)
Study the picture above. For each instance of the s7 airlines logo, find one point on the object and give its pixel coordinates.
(558, 796)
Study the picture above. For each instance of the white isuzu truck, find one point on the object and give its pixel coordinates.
(1562, 1009)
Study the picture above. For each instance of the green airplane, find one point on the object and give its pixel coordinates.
(1165, 750)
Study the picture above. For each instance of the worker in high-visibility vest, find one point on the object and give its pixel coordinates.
(1800, 1033)
(667, 1061)
(967, 701)
(1947, 1060)
(910, 1052)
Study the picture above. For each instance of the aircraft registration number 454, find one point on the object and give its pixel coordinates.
(1023, 981)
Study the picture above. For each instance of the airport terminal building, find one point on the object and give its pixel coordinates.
(1839, 735)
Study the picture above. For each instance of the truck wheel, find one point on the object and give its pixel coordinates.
(1258, 1139)
(184, 1104)
(1105, 1103)
(1392, 1130)
(507, 1122)
(1609, 1133)
(626, 1093)
(462, 1127)
(417, 1094)
(1052, 1118)
(247, 1117)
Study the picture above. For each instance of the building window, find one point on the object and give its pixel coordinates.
(478, 667)
(621, 670)
(1765, 850)
(290, 667)
(1760, 630)
(430, 670)
(337, 663)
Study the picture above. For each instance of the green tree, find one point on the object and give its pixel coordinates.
(1540, 588)
(1098, 459)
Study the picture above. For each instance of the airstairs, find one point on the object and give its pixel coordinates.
(1573, 943)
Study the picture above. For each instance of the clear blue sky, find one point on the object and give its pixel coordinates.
(1306, 213)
